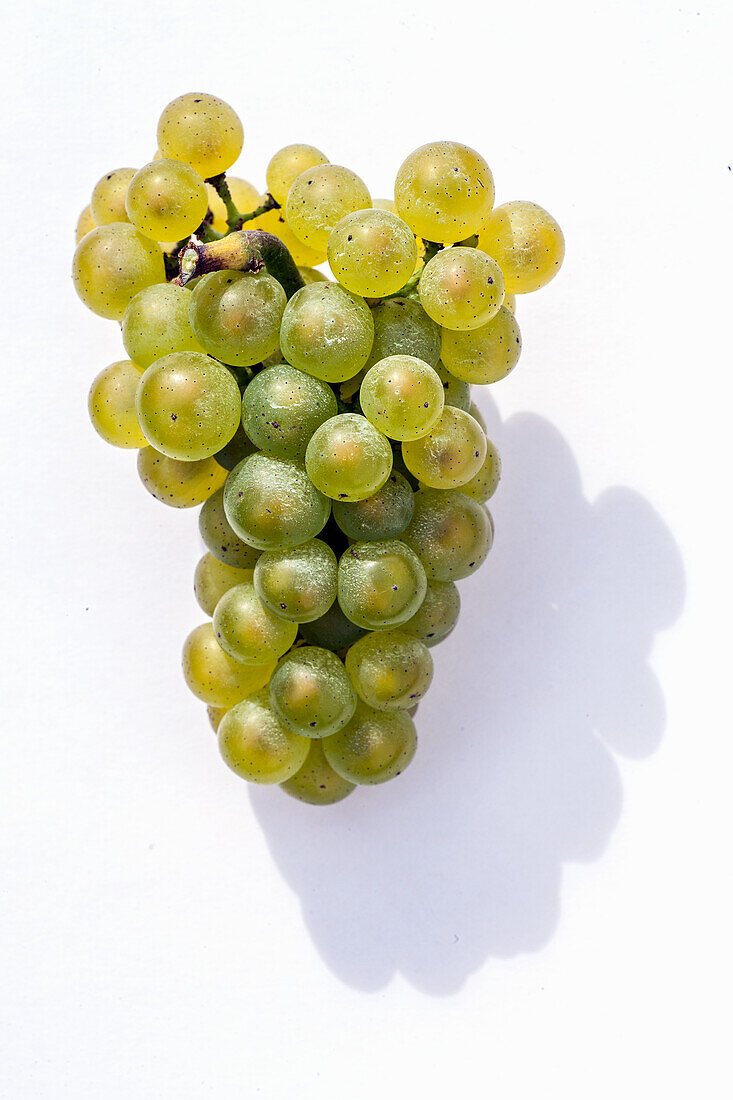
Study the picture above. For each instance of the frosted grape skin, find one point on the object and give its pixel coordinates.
(485, 354)
(402, 327)
(380, 584)
(450, 533)
(112, 405)
(247, 631)
(402, 397)
(156, 324)
(256, 745)
(311, 692)
(316, 782)
(200, 130)
(166, 200)
(461, 288)
(437, 615)
(482, 485)
(108, 197)
(326, 331)
(112, 264)
(298, 584)
(272, 504)
(219, 536)
(236, 315)
(347, 458)
(444, 191)
(282, 407)
(390, 669)
(178, 484)
(526, 242)
(372, 252)
(384, 515)
(212, 578)
(373, 747)
(320, 197)
(450, 454)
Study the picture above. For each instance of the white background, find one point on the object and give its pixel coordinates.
(539, 906)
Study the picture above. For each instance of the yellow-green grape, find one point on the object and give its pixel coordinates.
(385, 515)
(287, 164)
(219, 536)
(112, 405)
(108, 197)
(375, 746)
(320, 197)
(332, 630)
(272, 504)
(213, 578)
(178, 484)
(112, 264)
(166, 200)
(327, 332)
(256, 745)
(476, 413)
(510, 302)
(215, 715)
(247, 631)
(239, 447)
(202, 131)
(444, 191)
(384, 204)
(275, 222)
(486, 354)
(450, 454)
(402, 327)
(483, 484)
(85, 224)
(213, 676)
(311, 693)
(282, 407)
(316, 782)
(402, 397)
(156, 323)
(372, 252)
(391, 670)
(456, 393)
(188, 405)
(450, 533)
(236, 315)
(437, 614)
(245, 197)
(526, 242)
(380, 584)
(461, 288)
(298, 584)
(312, 275)
(347, 458)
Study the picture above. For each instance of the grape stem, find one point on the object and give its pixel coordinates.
(243, 250)
(235, 220)
(410, 287)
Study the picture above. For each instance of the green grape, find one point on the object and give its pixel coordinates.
(311, 693)
(215, 715)
(327, 332)
(85, 224)
(247, 631)
(385, 515)
(475, 412)
(219, 537)
(380, 584)
(347, 458)
(213, 676)
(245, 197)
(320, 197)
(526, 242)
(156, 324)
(486, 354)
(112, 405)
(437, 614)
(383, 204)
(213, 578)
(449, 454)
(402, 397)
(298, 584)
(372, 252)
(450, 533)
(282, 407)
(402, 327)
(236, 315)
(166, 200)
(257, 746)
(275, 222)
(457, 394)
(332, 630)
(444, 191)
(483, 484)
(178, 484)
(461, 288)
(108, 197)
(188, 405)
(390, 670)
(316, 782)
(510, 302)
(239, 447)
(287, 164)
(373, 747)
(202, 131)
(312, 275)
(111, 265)
(272, 504)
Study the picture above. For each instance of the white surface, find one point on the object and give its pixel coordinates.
(539, 906)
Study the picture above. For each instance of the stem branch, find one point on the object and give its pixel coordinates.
(243, 250)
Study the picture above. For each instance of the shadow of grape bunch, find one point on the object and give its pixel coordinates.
(545, 677)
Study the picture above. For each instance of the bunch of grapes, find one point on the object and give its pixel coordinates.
(325, 427)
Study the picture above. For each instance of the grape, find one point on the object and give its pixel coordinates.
(380, 584)
(112, 405)
(391, 670)
(156, 323)
(372, 252)
(461, 288)
(202, 131)
(444, 191)
(402, 327)
(383, 204)
(108, 197)
(526, 242)
(402, 397)
(239, 447)
(451, 452)
(272, 504)
(385, 515)
(247, 631)
(213, 578)
(215, 716)
(311, 275)
(179, 484)
(483, 484)
(213, 676)
(282, 407)
(245, 197)
(111, 265)
(327, 332)
(275, 222)
(316, 782)
(236, 315)
(311, 693)
(320, 197)
(219, 537)
(486, 354)
(450, 533)
(287, 164)
(375, 745)
(298, 584)
(166, 200)
(257, 746)
(332, 630)
(510, 302)
(188, 405)
(347, 458)
(456, 393)
(476, 413)
(437, 614)
(85, 224)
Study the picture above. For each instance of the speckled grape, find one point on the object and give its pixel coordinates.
(272, 503)
(373, 747)
(219, 536)
(444, 191)
(380, 584)
(213, 676)
(213, 578)
(320, 197)
(236, 316)
(526, 242)
(298, 584)
(156, 324)
(247, 631)
(257, 745)
(178, 484)
(311, 692)
(282, 407)
(112, 264)
(385, 515)
(316, 782)
(450, 533)
(390, 669)
(461, 288)
(486, 354)
(326, 331)
(112, 405)
(402, 397)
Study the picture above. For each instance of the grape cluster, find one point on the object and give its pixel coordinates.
(325, 427)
